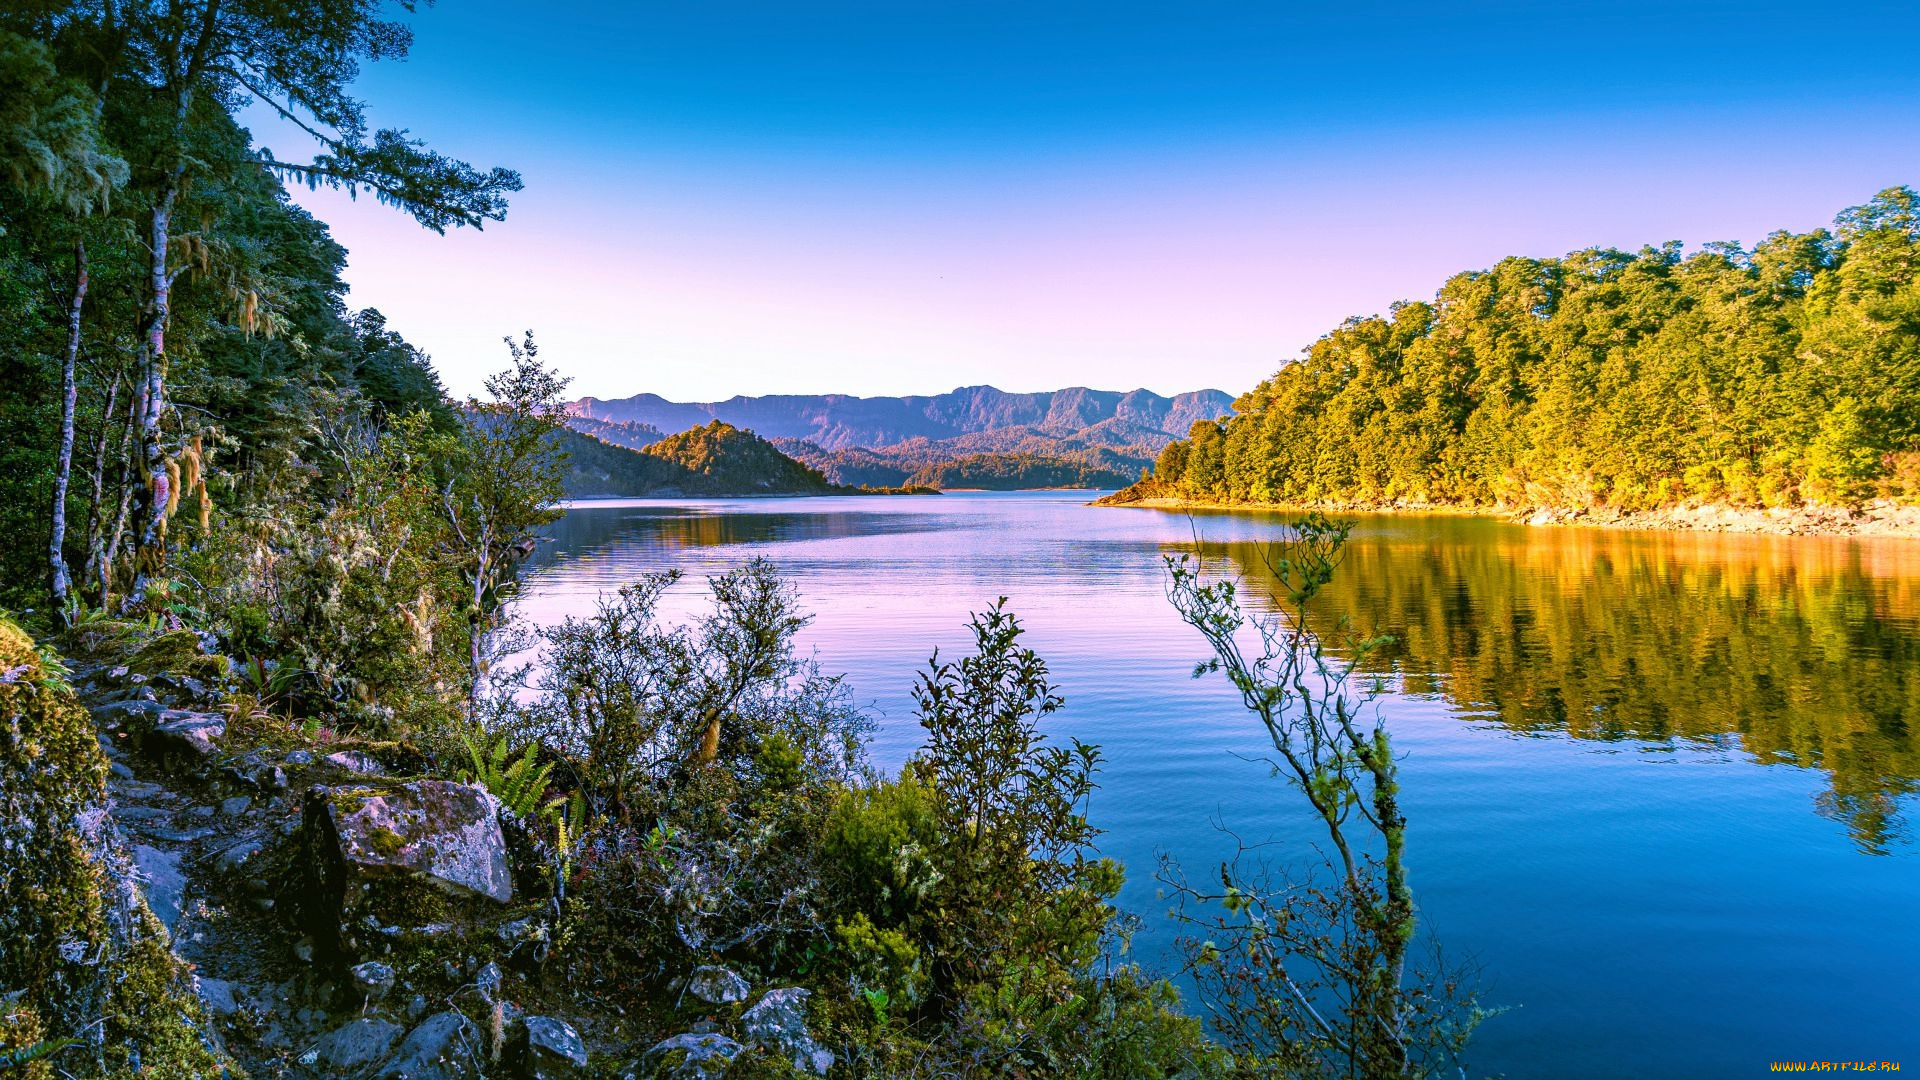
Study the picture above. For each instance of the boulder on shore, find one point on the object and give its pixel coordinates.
(443, 833)
(396, 854)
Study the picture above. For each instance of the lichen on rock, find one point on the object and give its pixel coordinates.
(396, 854)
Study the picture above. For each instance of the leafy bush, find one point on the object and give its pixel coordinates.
(880, 845)
(1011, 812)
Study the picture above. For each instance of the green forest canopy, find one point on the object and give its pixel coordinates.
(147, 247)
(1776, 376)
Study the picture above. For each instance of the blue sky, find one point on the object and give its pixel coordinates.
(890, 198)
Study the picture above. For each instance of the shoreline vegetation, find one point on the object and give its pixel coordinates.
(1771, 389)
(1880, 518)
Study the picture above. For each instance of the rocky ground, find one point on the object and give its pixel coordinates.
(1877, 518)
(343, 920)
(1880, 518)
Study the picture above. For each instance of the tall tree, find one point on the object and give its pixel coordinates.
(182, 65)
(51, 152)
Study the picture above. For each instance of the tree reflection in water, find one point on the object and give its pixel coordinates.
(1792, 649)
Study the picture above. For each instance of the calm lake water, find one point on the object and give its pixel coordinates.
(1662, 786)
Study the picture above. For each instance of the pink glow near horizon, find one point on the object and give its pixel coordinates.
(1209, 267)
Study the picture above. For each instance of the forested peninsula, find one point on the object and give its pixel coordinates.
(1776, 387)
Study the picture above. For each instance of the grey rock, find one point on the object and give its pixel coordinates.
(171, 834)
(190, 733)
(355, 762)
(417, 1007)
(692, 1057)
(373, 978)
(446, 1046)
(219, 997)
(119, 769)
(488, 980)
(358, 1045)
(446, 833)
(139, 789)
(778, 1022)
(163, 883)
(717, 985)
(269, 778)
(549, 1049)
(238, 858)
(114, 713)
(236, 806)
(299, 757)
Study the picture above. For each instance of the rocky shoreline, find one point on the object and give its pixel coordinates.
(1881, 518)
(312, 910)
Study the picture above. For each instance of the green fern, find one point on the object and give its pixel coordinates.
(570, 823)
(13, 1059)
(517, 782)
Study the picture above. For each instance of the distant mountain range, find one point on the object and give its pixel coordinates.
(840, 421)
(976, 436)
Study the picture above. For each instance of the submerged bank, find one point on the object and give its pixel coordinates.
(1879, 518)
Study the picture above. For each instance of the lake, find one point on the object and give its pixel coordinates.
(1661, 785)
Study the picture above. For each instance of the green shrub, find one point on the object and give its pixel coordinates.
(878, 848)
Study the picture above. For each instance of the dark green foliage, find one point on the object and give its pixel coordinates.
(1009, 472)
(1015, 879)
(969, 914)
(1778, 376)
(880, 845)
(949, 920)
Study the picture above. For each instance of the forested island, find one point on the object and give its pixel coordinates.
(1733, 388)
(716, 460)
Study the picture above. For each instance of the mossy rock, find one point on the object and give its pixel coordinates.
(380, 860)
(20, 1033)
(180, 654)
(76, 941)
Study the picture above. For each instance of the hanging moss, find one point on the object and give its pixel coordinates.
(77, 943)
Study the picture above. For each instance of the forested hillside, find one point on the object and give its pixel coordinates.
(1780, 375)
(1018, 472)
(726, 460)
(628, 433)
(1016, 458)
